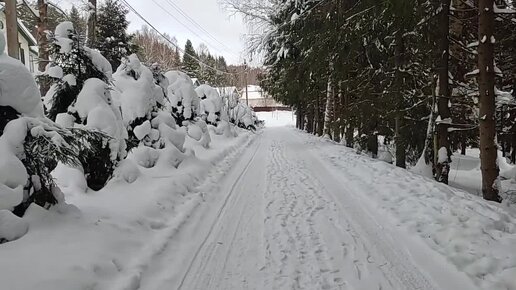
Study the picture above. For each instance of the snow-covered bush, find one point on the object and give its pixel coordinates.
(184, 100)
(79, 97)
(211, 104)
(243, 116)
(141, 99)
(72, 64)
(30, 144)
(95, 110)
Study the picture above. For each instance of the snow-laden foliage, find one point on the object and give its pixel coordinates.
(182, 96)
(72, 64)
(31, 145)
(211, 103)
(112, 38)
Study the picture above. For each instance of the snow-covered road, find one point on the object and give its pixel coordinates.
(283, 218)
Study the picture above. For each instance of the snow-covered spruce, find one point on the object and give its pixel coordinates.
(31, 144)
(79, 97)
(72, 64)
(184, 100)
(141, 99)
(215, 110)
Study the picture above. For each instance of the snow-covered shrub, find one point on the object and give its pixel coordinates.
(198, 130)
(211, 104)
(159, 77)
(79, 97)
(141, 99)
(184, 100)
(96, 110)
(243, 116)
(72, 64)
(32, 145)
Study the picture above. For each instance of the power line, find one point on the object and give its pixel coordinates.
(195, 23)
(184, 25)
(168, 40)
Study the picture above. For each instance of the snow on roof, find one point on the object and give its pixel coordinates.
(254, 92)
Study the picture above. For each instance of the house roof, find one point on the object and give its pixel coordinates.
(254, 92)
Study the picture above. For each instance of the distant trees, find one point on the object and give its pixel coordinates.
(154, 49)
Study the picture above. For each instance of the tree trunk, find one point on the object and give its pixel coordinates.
(513, 152)
(92, 20)
(401, 154)
(399, 139)
(11, 23)
(486, 78)
(320, 117)
(349, 135)
(43, 58)
(310, 119)
(337, 115)
(443, 165)
(329, 103)
(372, 144)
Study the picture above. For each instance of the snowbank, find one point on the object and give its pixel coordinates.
(116, 230)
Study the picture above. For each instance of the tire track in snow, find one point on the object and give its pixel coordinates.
(215, 222)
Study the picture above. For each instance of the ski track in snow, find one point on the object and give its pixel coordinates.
(281, 220)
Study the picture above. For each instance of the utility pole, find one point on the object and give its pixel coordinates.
(13, 47)
(92, 20)
(245, 79)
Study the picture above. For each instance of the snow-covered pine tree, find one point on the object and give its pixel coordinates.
(142, 94)
(72, 66)
(190, 65)
(78, 21)
(112, 39)
(31, 144)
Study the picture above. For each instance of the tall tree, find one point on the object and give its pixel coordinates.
(113, 41)
(486, 82)
(79, 22)
(443, 161)
(190, 63)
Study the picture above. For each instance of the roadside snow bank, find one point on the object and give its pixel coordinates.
(116, 231)
(477, 236)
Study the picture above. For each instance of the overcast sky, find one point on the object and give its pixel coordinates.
(226, 29)
(208, 14)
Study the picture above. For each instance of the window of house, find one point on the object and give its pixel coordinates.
(31, 62)
(22, 55)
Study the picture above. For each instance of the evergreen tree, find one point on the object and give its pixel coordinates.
(72, 66)
(190, 65)
(79, 22)
(112, 38)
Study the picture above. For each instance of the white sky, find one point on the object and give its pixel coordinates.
(209, 14)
